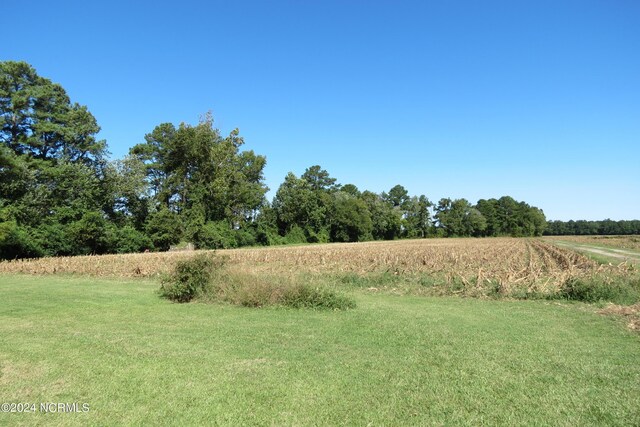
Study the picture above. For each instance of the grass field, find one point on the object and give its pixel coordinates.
(93, 330)
(138, 359)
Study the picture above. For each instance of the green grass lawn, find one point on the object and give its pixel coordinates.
(394, 360)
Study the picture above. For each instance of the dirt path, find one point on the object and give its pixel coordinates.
(619, 254)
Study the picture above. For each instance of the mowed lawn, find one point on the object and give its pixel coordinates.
(394, 360)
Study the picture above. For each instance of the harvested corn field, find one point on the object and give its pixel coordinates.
(498, 263)
(615, 242)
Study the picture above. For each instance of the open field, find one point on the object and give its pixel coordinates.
(499, 265)
(602, 248)
(93, 330)
(138, 359)
(631, 243)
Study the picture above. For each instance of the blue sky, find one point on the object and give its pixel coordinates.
(539, 100)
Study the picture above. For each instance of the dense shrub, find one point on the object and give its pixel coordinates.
(265, 292)
(127, 239)
(621, 291)
(305, 296)
(201, 277)
(90, 234)
(190, 278)
(295, 235)
(321, 236)
(164, 228)
(245, 237)
(16, 243)
(268, 237)
(251, 292)
(55, 239)
(215, 235)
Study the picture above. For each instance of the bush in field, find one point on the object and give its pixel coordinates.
(251, 291)
(199, 277)
(305, 296)
(621, 291)
(190, 278)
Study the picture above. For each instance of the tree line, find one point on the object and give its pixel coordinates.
(590, 228)
(61, 195)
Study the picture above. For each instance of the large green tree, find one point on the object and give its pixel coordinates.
(51, 164)
(459, 218)
(202, 176)
(319, 179)
(60, 196)
(350, 219)
(398, 196)
(37, 118)
(417, 216)
(298, 205)
(385, 218)
(508, 217)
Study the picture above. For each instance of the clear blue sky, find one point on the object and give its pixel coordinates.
(539, 100)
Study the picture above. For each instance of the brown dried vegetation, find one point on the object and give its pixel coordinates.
(631, 313)
(500, 263)
(615, 242)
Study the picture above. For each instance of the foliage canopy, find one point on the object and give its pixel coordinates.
(60, 195)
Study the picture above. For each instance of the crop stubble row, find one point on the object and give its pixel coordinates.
(500, 261)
